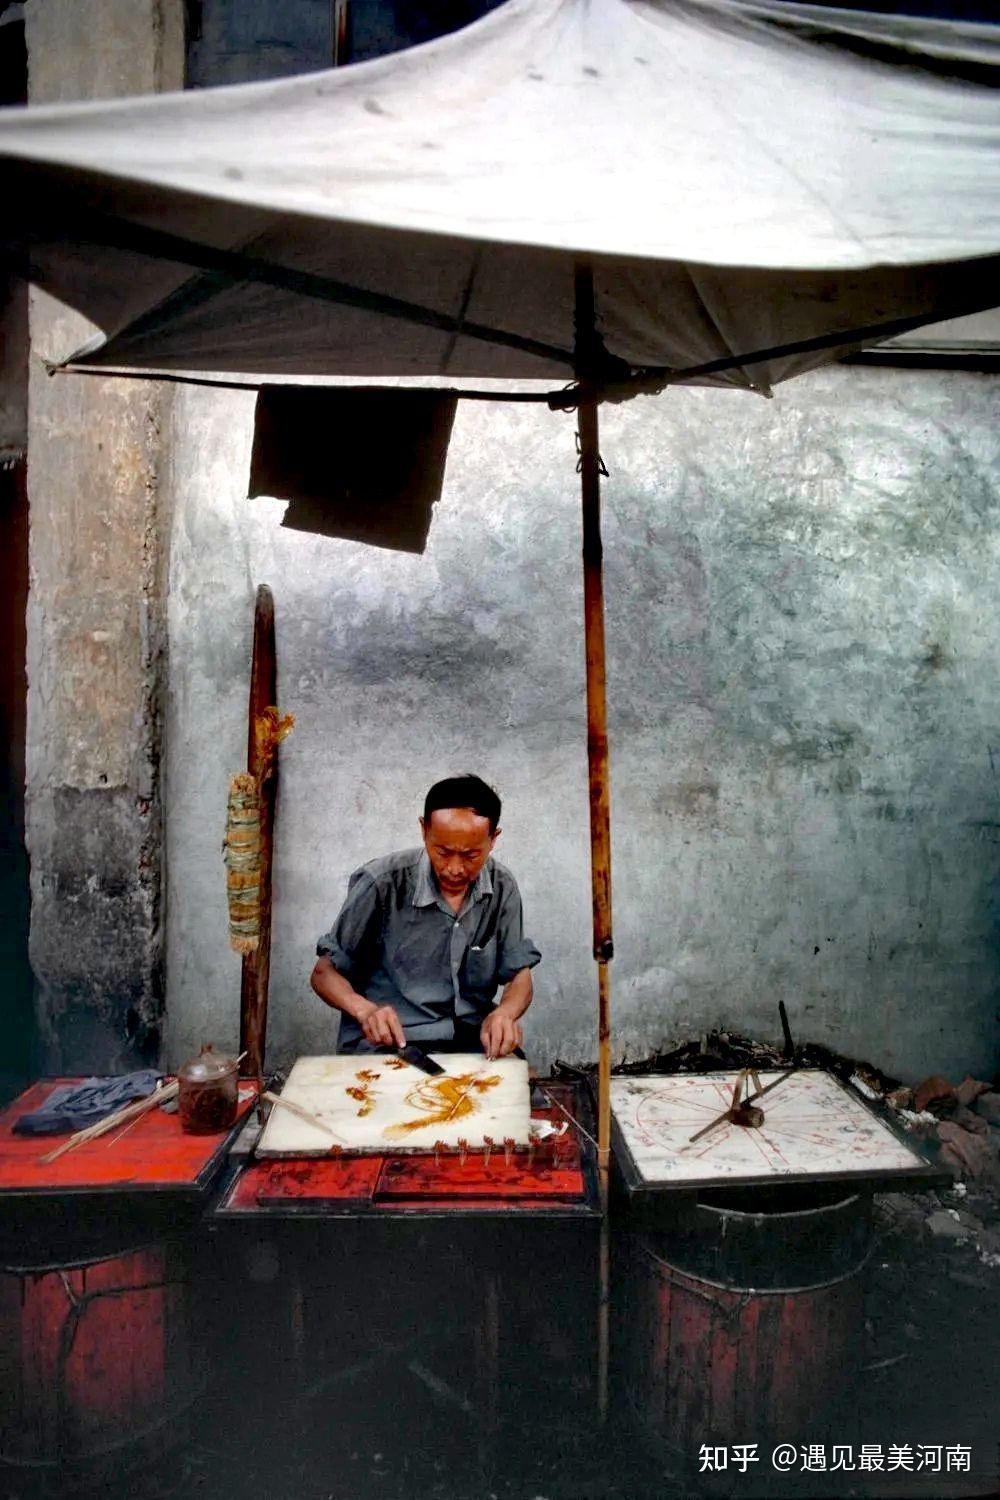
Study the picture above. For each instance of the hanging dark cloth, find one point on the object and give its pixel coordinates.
(363, 464)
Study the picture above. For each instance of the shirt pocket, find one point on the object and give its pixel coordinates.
(481, 965)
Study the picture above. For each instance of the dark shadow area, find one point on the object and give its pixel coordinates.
(355, 1365)
(16, 1053)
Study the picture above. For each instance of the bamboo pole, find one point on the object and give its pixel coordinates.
(257, 965)
(599, 784)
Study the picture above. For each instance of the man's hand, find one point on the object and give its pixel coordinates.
(382, 1027)
(500, 1034)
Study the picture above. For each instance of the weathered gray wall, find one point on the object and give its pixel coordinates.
(96, 617)
(804, 694)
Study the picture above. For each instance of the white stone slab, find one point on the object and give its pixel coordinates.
(811, 1126)
(376, 1103)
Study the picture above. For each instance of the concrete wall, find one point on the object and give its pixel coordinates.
(96, 619)
(802, 618)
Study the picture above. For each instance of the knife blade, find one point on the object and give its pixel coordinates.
(417, 1057)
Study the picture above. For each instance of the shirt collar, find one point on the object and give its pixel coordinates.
(426, 893)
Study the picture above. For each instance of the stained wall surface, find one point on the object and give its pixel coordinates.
(96, 618)
(804, 696)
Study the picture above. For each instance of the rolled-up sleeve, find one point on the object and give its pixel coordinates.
(514, 951)
(351, 944)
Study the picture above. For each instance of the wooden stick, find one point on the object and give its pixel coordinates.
(120, 1116)
(599, 780)
(574, 1122)
(465, 1092)
(124, 1130)
(303, 1114)
(257, 966)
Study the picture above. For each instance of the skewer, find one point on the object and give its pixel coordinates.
(126, 1114)
(466, 1092)
(124, 1130)
(487, 1149)
(463, 1150)
(575, 1123)
(508, 1149)
(303, 1114)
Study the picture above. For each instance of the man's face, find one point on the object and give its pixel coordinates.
(458, 842)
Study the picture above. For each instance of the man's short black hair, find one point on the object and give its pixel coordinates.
(464, 791)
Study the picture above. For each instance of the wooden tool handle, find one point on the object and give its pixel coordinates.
(303, 1114)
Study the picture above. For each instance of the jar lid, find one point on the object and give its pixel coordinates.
(208, 1065)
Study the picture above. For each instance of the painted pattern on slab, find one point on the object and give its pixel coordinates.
(438, 1101)
(811, 1125)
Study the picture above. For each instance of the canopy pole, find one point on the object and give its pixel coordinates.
(587, 345)
(598, 769)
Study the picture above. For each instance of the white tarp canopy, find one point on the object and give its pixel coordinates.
(742, 176)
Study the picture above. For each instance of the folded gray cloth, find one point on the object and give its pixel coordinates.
(76, 1105)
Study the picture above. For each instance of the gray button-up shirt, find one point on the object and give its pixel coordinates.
(399, 943)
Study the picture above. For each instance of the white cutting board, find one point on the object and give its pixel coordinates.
(376, 1103)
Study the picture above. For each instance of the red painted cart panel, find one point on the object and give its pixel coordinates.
(411, 1177)
(731, 1362)
(93, 1355)
(153, 1152)
(344, 1179)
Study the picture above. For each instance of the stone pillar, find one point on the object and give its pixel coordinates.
(96, 648)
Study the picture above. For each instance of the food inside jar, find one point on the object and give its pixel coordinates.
(208, 1108)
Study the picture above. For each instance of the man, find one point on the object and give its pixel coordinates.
(426, 937)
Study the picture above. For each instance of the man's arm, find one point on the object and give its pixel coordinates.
(350, 948)
(501, 1031)
(380, 1023)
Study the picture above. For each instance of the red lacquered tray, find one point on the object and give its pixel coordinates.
(153, 1153)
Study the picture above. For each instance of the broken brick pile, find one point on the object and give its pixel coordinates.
(964, 1118)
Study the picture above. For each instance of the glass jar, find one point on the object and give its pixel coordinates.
(207, 1094)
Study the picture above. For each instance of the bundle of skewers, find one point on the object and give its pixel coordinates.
(125, 1116)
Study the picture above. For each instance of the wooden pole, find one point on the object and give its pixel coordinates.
(599, 782)
(597, 727)
(257, 966)
(341, 29)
